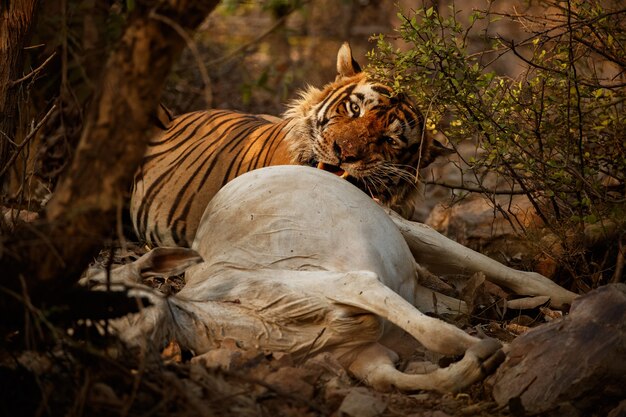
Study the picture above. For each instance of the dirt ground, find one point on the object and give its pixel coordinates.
(78, 371)
(86, 380)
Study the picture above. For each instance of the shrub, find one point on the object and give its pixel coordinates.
(556, 133)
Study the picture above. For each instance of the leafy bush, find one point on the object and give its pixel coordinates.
(557, 133)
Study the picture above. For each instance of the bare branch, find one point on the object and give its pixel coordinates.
(33, 72)
(26, 140)
(254, 41)
(204, 74)
(479, 190)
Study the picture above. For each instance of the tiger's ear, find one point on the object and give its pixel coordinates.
(346, 65)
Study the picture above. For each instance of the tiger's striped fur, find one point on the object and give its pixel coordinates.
(352, 126)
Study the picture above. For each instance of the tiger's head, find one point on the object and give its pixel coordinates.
(360, 130)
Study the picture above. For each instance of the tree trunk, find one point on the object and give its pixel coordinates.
(82, 213)
(16, 17)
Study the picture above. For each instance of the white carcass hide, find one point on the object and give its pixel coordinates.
(300, 261)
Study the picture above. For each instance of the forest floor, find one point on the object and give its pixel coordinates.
(82, 380)
(85, 373)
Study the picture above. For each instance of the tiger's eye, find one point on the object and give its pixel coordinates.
(388, 139)
(355, 109)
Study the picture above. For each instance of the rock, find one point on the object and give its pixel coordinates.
(572, 365)
(328, 365)
(293, 381)
(360, 402)
(335, 390)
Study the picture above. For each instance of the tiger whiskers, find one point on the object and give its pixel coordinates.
(373, 182)
(397, 173)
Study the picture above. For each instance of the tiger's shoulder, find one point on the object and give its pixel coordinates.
(354, 127)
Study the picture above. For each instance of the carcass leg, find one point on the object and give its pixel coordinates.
(375, 365)
(441, 255)
(363, 289)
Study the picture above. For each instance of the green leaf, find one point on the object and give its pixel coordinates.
(591, 218)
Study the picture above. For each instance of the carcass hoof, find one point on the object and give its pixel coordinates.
(479, 361)
(489, 355)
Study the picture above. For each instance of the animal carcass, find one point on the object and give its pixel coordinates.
(298, 260)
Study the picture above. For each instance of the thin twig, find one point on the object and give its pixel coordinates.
(619, 262)
(204, 74)
(33, 72)
(308, 352)
(533, 64)
(27, 140)
(600, 51)
(119, 225)
(39, 45)
(479, 190)
(256, 40)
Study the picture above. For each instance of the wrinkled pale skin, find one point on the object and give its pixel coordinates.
(441, 255)
(298, 260)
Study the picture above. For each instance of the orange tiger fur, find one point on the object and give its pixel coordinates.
(353, 126)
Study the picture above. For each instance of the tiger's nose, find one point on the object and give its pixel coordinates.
(337, 150)
(346, 152)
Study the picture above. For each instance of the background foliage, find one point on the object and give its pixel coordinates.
(555, 133)
(538, 86)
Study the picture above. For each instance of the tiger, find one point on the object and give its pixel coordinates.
(353, 126)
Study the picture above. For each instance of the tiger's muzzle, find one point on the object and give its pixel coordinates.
(333, 169)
